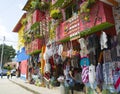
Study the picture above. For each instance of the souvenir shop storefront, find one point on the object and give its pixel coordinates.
(93, 49)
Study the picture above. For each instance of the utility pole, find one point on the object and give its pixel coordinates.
(2, 52)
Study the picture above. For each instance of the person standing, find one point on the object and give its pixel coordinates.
(11, 73)
(8, 74)
(1, 73)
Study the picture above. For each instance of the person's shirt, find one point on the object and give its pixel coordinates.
(8, 73)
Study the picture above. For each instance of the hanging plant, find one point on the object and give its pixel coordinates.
(56, 14)
(85, 6)
(52, 33)
(41, 5)
(66, 2)
(27, 38)
(44, 6)
(85, 9)
(35, 26)
(35, 4)
(24, 21)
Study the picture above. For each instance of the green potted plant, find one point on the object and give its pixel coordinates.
(56, 14)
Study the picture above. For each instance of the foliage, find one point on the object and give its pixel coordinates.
(85, 9)
(24, 21)
(65, 39)
(61, 3)
(38, 36)
(66, 2)
(7, 67)
(8, 53)
(35, 26)
(52, 33)
(35, 52)
(27, 38)
(58, 4)
(43, 6)
(35, 4)
(56, 14)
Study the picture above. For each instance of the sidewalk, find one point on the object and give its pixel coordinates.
(37, 90)
(33, 88)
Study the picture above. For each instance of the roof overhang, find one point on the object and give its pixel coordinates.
(27, 5)
(111, 2)
(19, 25)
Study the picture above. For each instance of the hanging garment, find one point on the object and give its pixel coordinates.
(47, 67)
(118, 50)
(51, 61)
(103, 40)
(60, 49)
(116, 76)
(118, 38)
(99, 74)
(92, 76)
(43, 60)
(58, 60)
(85, 70)
(117, 84)
(107, 73)
(92, 41)
(114, 54)
(83, 53)
(92, 57)
(84, 62)
(107, 56)
(114, 41)
(82, 43)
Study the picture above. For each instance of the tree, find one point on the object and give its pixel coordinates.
(8, 53)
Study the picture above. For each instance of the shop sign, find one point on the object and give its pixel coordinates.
(74, 34)
(71, 25)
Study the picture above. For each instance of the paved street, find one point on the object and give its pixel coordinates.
(7, 87)
(18, 86)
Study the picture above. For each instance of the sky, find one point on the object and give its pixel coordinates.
(10, 13)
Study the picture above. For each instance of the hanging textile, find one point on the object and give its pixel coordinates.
(84, 62)
(107, 73)
(116, 76)
(118, 38)
(42, 59)
(85, 70)
(103, 40)
(82, 43)
(60, 49)
(92, 76)
(99, 74)
(107, 56)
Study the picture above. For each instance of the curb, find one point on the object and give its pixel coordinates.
(33, 91)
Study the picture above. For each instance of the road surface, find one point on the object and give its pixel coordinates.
(7, 87)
